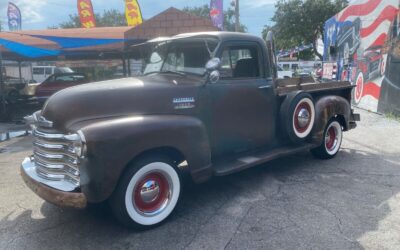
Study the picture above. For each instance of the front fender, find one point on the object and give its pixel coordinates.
(112, 144)
(325, 109)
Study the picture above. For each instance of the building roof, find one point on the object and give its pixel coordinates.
(169, 23)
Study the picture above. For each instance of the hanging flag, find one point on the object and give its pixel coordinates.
(133, 13)
(217, 13)
(86, 14)
(14, 17)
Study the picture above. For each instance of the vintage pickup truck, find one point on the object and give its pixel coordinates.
(208, 104)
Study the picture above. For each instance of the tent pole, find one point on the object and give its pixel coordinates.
(20, 70)
(124, 66)
(129, 68)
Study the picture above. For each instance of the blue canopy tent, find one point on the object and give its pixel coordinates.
(74, 47)
(27, 50)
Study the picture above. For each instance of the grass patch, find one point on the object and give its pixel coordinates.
(392, 116)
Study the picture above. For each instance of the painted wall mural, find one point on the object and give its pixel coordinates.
(363, 42)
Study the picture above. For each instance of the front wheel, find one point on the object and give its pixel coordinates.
(332, 141)
(147, 193)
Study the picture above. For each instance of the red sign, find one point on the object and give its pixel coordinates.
(86, 14)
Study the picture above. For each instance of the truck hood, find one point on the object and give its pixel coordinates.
(156, 94)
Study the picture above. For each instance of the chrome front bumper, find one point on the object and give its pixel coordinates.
(56, 192)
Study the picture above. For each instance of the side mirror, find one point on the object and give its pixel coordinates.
(212, 69)
(214, 76)
(213, 64)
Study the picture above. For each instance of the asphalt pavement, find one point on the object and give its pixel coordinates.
(297, 202)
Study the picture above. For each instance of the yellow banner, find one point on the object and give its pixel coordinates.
(133, 13)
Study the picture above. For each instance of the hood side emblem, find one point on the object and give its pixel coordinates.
(184, 103)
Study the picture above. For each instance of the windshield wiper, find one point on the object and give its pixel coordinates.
(174, 72)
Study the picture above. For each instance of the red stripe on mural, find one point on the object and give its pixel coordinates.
(388, 13)
(380, 41)
(359, 9)
(372, 89)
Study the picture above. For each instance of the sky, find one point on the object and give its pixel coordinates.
(40, 14)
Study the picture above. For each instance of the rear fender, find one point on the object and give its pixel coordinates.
(325, 109)
(113, 144)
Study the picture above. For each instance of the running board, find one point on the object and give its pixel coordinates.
(231, 166)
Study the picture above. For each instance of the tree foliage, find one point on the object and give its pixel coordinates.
(109, 18)
(229, 16)
(302, 21)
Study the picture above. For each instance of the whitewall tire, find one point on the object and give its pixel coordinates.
(303, 118)
(333, 136)
(147, 194)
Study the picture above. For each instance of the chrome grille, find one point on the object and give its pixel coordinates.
(54, 157)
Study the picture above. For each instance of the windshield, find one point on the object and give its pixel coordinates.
(185, 56)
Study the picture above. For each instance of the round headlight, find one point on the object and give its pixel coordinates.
(77, 148)
(77, 144)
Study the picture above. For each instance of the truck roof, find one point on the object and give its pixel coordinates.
(220, 35)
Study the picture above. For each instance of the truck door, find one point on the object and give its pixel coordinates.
(242, 101)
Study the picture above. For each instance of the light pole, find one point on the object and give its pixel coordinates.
(237, 20)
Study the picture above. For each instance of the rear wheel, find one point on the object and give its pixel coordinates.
(333, 135)
(147, 193)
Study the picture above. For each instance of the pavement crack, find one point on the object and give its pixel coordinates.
(239, 225)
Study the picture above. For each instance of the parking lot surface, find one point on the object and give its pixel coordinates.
(297, 202)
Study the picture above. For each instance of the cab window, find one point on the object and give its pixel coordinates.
(240, 62)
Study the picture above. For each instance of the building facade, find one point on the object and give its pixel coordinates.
(362, 44)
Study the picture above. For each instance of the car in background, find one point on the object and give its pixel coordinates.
(41, 73)
(58, 82)
(284, 73)
(13, 86)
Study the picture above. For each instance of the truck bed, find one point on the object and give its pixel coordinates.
(286, 86)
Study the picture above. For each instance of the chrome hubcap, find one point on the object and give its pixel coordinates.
(150, 191)
(152, 194)
(303, 117)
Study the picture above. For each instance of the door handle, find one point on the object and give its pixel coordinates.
(265, 87)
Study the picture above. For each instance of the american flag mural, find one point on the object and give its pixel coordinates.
(362, 41)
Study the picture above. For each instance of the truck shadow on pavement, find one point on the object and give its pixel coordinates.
(292, 203)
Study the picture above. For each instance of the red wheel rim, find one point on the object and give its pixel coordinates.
(331, 134)
(150, 182)
(297, 126)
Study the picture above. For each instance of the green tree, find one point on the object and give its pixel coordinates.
(229, 16)
(109, 18)
(302, 22)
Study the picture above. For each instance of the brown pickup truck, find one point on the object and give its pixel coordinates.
(208, 104)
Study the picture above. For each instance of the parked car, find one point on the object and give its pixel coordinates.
(282, 74)
(41, 73)
(58, 82)
(128, 141)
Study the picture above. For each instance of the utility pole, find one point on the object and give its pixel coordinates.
(237, 20)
